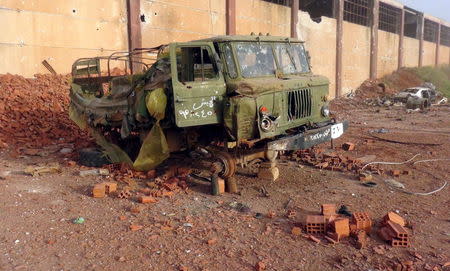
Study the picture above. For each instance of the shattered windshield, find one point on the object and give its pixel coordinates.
(255, 59)
(291, 58)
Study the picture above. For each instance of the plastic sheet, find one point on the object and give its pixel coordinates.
(154, 149)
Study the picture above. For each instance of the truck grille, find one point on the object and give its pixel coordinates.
(299, 104)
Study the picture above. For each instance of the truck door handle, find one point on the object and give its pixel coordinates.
(180, 100)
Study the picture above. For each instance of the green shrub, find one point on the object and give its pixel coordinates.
(439, 76)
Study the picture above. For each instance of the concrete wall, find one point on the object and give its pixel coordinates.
(59, 32)
(181, 20)
(260, 16)
(429, 53)
(411, 52)
(321, 47)
(387, 52)
(356, 56)
(444, 55)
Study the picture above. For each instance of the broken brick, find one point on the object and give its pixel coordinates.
(135, 227)
(212, 241)
(147, 199)
(99, 191)
(395, 172)
(110, 187)
(271, 214)
(348, 146)
(260, 266)
(391, 216)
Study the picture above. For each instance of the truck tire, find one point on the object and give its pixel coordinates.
(228, 164)
(92, 157)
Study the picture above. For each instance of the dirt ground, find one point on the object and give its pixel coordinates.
(198, 231)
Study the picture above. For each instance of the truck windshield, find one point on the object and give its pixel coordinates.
(255, 59)
(291, 58)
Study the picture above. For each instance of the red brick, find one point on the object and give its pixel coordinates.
(221, 183)
(391, 216)
(147, 199)
(135, 227)
(99, 191)
(110, 187)
(315, 224)
(395, 172)
(362, 221)
(348, 146)
(341, 227)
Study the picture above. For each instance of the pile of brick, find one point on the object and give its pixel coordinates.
(34, 111)
(144, 187)
(335, 227)
(332, 161)
(393, 231)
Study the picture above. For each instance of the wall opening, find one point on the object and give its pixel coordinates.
(389, 18)
(412, 19)
(357, 11)
(286, 3)
(430, 31)
(317, 8)
(445, 35)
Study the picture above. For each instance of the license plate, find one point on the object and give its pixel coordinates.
(337, 130)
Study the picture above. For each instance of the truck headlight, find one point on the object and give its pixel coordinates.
(266, 124)
(325, 111)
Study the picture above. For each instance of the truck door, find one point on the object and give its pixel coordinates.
(198, 84)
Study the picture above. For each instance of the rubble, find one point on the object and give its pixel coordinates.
(269, 171)
(34, 112)
(348, 146)
(392, 232)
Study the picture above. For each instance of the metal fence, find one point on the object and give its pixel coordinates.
(430, 31)
(445, 35)
(357, 11)
(389, 18)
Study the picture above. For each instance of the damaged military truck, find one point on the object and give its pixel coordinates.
(231, 100)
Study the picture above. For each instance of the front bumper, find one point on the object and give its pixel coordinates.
(309, 138)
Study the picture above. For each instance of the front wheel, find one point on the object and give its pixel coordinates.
(225, 164)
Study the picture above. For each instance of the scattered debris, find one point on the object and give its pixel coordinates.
(94, 172)
(240, 207)
(147, 199)
(78, 220)
(38, 171)
(134, 227)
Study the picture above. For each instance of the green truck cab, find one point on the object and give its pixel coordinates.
(231, 99)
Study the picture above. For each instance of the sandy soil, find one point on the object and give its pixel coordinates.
(197, 231)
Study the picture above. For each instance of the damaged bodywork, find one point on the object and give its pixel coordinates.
(230, 99)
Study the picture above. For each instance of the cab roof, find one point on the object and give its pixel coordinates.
(255, 38)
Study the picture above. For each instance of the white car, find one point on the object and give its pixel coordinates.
(416, 92)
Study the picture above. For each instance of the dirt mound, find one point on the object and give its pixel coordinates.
(34, 111)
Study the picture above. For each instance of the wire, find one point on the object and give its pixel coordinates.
(430, 160)
(390, 163)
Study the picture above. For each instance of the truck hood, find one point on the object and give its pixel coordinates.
(257, 86)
